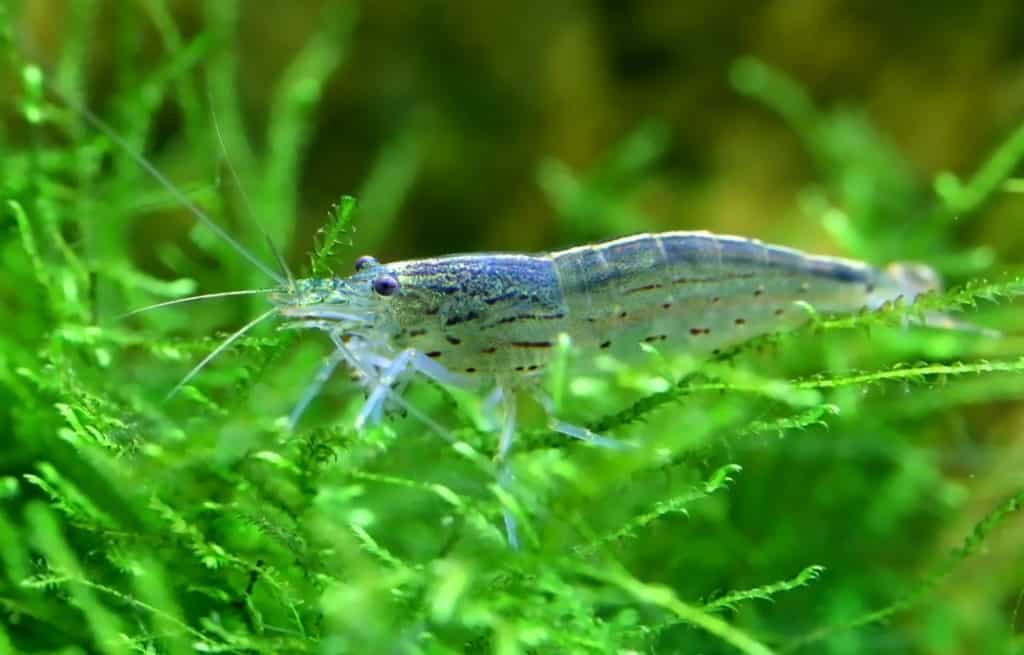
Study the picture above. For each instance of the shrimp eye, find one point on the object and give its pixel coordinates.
(385, 285)
(365, 261)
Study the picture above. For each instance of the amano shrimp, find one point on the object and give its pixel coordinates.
(491, 320)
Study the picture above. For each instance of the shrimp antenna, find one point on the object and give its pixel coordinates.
(155, 173)
(204, 296)
(245, 197)
(218, 350)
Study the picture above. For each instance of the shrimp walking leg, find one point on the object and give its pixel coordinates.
(387, 378)
(315, 386)
(576, 431)
(393, 370)
(428, 367)
(589, 436)
(357, 365)
(490, 406)
(439, 373)
(505, 476)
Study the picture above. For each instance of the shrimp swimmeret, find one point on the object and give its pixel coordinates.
(491, 320)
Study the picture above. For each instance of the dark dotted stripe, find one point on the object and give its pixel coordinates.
(646, 287)
(698, 280)
(530, 317)
(531, 344)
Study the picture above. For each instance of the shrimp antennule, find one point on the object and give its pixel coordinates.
(324, 312)
(203, 296)
(248, 205)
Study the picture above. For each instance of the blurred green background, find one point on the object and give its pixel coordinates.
(464, 119)
(854, 128)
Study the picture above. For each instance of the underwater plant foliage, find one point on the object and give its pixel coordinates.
(849, 487)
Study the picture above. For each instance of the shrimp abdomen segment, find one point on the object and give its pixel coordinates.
(698, 291)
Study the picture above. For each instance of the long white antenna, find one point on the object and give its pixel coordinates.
(245, 199)
(204, 296)
(111, 134)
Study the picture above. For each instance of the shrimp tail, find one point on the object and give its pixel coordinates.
(908, 280)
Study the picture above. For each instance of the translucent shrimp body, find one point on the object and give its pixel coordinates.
(492, 319)
(495, 317)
